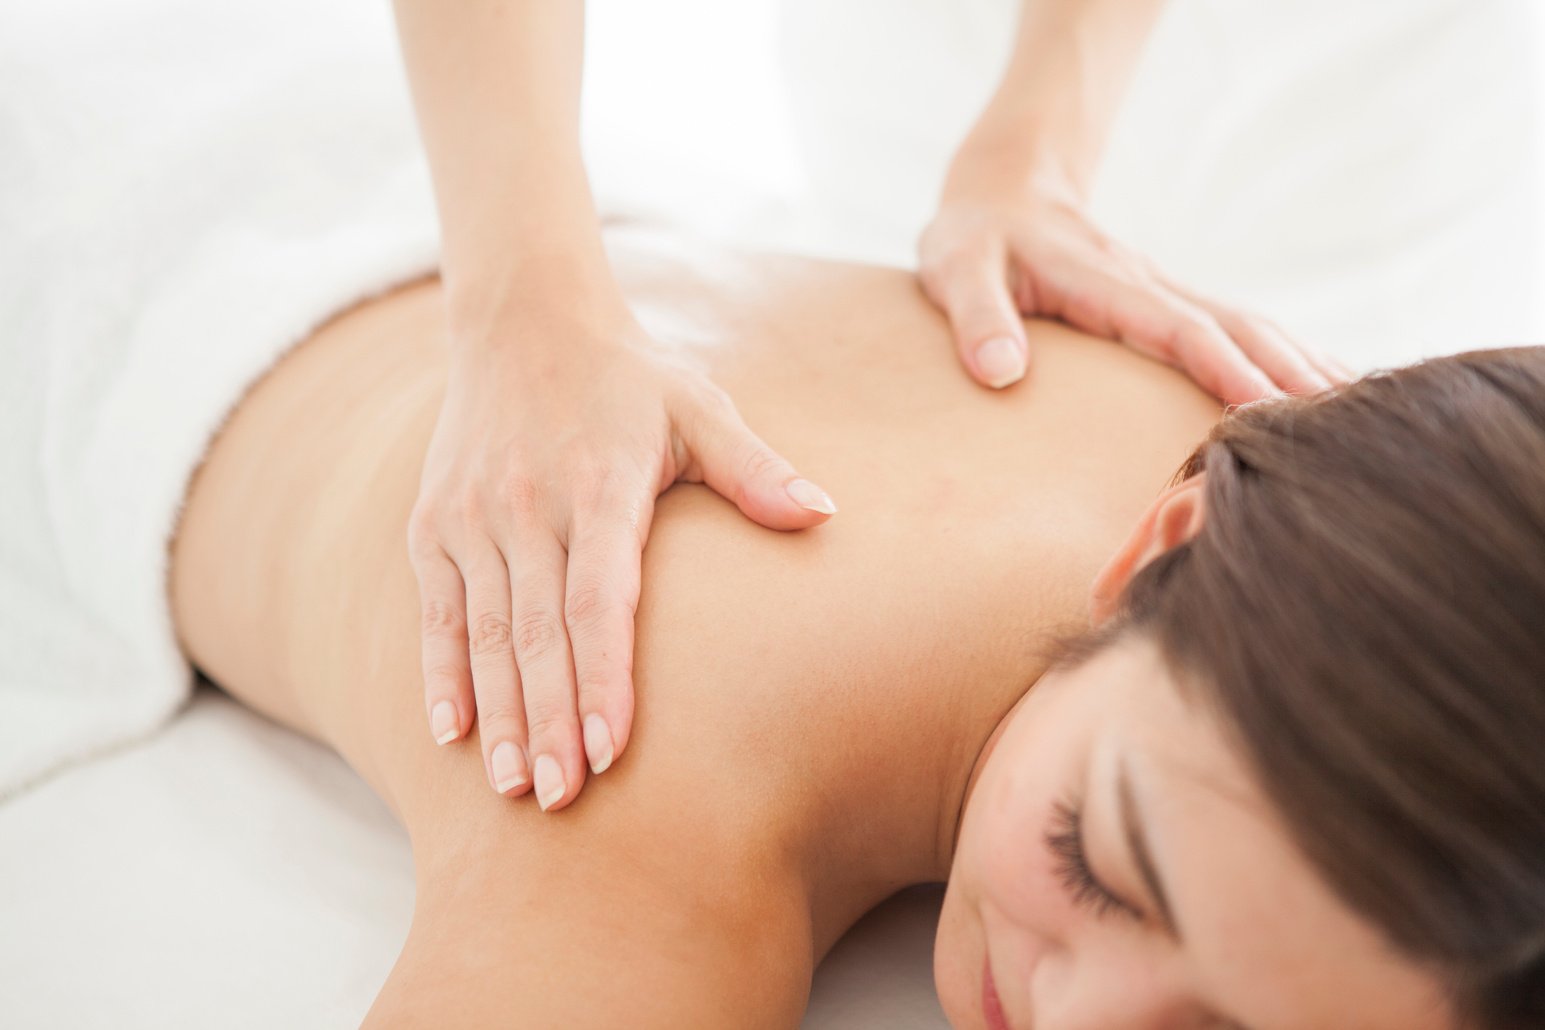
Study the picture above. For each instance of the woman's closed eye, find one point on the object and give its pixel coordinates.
(1065, 838)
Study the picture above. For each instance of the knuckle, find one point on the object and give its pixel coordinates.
(712, 400)
(587, 603)
(497, 710)
(1187, 337)
(1246, 327)
(1194, 342)
(423, 533)
(590, 487)
(1272, 329)
(759, 462)
(1267, 334)
(489, 635)
(980, 320)
(548, 719)
(598, 661)
(959, 264)
(440, 619)
(1084, 304)
(537, 633)
(464, 511)
(521, 494)
(606, 675)
(447, 675)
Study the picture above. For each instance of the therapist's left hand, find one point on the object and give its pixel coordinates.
(1005, 245)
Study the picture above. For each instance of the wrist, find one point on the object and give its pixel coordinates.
(1017, 163)
(535, 300)
(525, 244)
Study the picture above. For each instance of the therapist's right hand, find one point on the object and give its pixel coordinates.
(557, 432)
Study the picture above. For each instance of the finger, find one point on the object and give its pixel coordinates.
(443, 650)
(1267, 347)
(1330, 367)
(495, 682)
(537, 571)
(599, 607)
(730, 458)
(1273, 353)
(1157, 322)
(973, 290)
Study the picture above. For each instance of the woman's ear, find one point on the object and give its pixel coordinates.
(1175, 517)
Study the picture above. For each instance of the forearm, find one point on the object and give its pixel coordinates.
(496, 86)
(1070, 68)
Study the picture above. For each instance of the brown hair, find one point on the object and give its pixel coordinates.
(1365, 607)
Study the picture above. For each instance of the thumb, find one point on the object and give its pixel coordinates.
(727, 456)
(988, 331)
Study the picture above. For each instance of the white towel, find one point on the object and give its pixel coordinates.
(185, 190)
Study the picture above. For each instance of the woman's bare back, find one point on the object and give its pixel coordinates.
(808, 704)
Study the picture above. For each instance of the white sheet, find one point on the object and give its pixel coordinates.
(228, 873)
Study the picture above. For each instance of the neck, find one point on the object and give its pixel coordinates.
(889, 809)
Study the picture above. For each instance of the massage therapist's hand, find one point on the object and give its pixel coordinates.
(1004, 246)
(558, 431)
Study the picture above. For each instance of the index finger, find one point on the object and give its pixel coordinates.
(1267, 347)
(1170, 327)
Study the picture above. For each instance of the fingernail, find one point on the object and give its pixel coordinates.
(1000, 362)
(811, 497)
(598, 744)
(549, 781)
(443, 722)
(509, 767)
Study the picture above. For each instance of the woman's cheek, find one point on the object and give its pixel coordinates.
(1015, 866)
(1023, 892)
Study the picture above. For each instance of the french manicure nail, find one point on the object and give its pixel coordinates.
(549, 781)
(598, 743)
(444, 723)
(509, 767)
(1000, 362)
(811, 497)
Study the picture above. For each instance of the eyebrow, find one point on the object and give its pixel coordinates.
(1137, 841)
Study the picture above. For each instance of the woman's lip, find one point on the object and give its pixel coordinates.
(992, 1008)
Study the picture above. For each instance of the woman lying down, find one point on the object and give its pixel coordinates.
(1289, 777)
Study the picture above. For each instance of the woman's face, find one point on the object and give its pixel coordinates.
(1118, 867)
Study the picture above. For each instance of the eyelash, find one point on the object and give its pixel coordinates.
(1066, 841)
